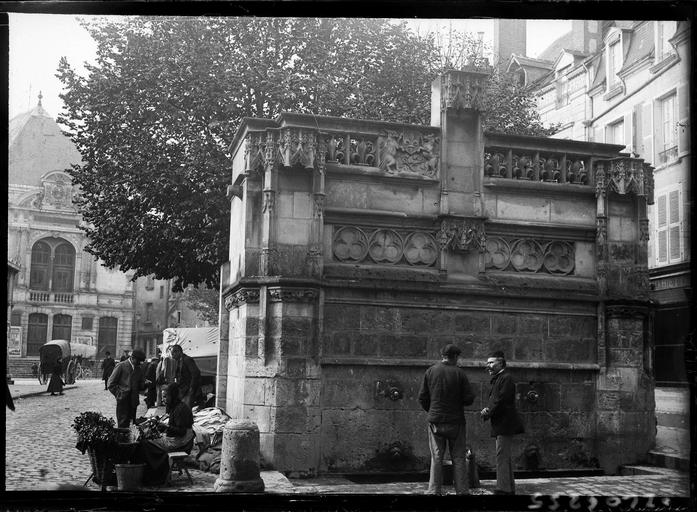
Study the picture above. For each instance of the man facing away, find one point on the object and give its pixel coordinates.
(108, 364)
(505, 422)
(125, 383)
(444, 393)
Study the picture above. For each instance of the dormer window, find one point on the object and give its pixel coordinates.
(614, 60)
(664, 31)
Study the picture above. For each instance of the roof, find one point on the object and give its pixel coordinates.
(641, 44)
(18, 122)
(529, 61)
(552, 51)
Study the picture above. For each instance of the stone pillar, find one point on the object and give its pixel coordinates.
(625, 402)
(269, 252)
(239, 459)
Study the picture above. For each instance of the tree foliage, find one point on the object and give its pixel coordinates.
(153, 117)
(204, 301)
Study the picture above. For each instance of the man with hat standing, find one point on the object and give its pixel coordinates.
(125, 383)
(444, 393)
(505, 422)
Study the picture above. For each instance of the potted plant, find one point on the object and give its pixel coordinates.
(97, 435)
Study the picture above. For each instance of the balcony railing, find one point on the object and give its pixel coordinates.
(51, 297)
(542, 159)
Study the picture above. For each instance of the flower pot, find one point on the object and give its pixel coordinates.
(129, 477)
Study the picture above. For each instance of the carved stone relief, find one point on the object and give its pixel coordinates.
(528, 255)
(241, 296)
(409, 152)
(384, 246)
(466, 235)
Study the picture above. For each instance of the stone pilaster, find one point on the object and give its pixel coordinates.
(268, 263)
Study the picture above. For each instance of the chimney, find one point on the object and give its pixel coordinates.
(509, 38)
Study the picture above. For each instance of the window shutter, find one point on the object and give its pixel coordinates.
(674, 207)
(661, 211)
(628, 132)
(636, 130)
(683, 119)
(675, 243)
(647, 134)
(662, 249)
(657, 131)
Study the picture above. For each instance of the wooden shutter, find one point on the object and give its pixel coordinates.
(662, 232)
(636, 130)
(674, 221)
(646, 134)
(683, 119)
(628, 132)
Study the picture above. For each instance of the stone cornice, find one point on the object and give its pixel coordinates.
(241, 296)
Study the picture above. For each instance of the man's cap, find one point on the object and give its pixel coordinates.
(138, 354)
(450, 350)
(497, 353)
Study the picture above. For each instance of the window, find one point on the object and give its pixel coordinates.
(87, 323)
(106, 336)
(614, 56)
(37, 330)
(614, 133)
(162, 292)
(148, 312)
(149, 283)
(16, 318)
(669, 130)
(62, 327)
(563, 92)
(665, 30)
(668, 222)
(52, 266)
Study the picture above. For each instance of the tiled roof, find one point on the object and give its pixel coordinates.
(529, 61)
(18, 122)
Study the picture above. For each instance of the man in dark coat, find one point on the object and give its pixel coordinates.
(188, 376)
(505, 422)
(125, 383)
(107, 367)
(444, 393)
(151, 375)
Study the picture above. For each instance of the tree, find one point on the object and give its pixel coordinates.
(204, 301)
(154, 116)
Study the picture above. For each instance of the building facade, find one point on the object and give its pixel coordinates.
(62, 292)
(359, 248)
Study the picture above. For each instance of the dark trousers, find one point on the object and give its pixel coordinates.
(504, 465)
(125, 412)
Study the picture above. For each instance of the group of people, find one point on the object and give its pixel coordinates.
(174, 380)
(444, 394)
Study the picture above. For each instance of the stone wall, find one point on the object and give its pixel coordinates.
(362, 247)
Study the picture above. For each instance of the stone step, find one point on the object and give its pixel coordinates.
(664, 459)
(645, 469)
(21, 368)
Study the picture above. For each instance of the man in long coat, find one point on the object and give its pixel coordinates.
(188, 376)
(108, 364)
(125, 383)
(505, 422)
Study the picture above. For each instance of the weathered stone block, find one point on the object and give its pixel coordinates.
(255, 391)
(577, 397)
(625, 357)
(339, 343)
(416, 321)
(565, 350)
(476, 323)
(404, 346)
(376, 318)
(294, 368)
(291, 345)
(548, 393)
(389, 344)
(608, 400)
(528, 349)
(295, 419)
(304, 392)
(504, 324)
(532, 325)
(572, 326)
(365, 345)
(341, 316)
(294, 454)
(259, 414)
(349, 394)
(252, 326)
(609, 423)
(251, 344)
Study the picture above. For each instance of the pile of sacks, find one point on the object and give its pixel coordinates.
(208, 428)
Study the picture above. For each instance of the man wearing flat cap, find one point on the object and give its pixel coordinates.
(125, 383)
(444, 393)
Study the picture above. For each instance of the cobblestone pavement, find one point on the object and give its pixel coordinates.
(40, 454)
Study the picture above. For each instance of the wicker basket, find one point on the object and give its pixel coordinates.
(102, 467)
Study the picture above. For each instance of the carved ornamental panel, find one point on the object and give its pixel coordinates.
(384, 246)
(409, 151)
(529, 255)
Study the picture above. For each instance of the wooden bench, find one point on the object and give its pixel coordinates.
(176, 461)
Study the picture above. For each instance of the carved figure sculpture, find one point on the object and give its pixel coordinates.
(388, 153)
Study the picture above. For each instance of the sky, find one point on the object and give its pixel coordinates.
(38, 41)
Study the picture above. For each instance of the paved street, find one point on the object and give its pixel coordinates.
(41, 453)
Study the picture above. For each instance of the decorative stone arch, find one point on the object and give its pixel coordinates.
(58, 191)
(54, 240)
(30, 198)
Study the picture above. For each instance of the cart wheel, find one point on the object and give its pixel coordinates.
(86, 373)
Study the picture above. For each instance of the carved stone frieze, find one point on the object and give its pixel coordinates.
(625, 176)
(601, 230)
(467, 235)
(318, 205)
(255, 153)
(409, 151)
(626, 311)
(241, 296)
(644, 235)
(384, 246)
(600, 183)
(463, 90)
(269, 201)
(296, 147)
(528, 255)
(288, 294)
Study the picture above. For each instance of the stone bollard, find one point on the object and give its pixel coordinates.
(239, 458)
